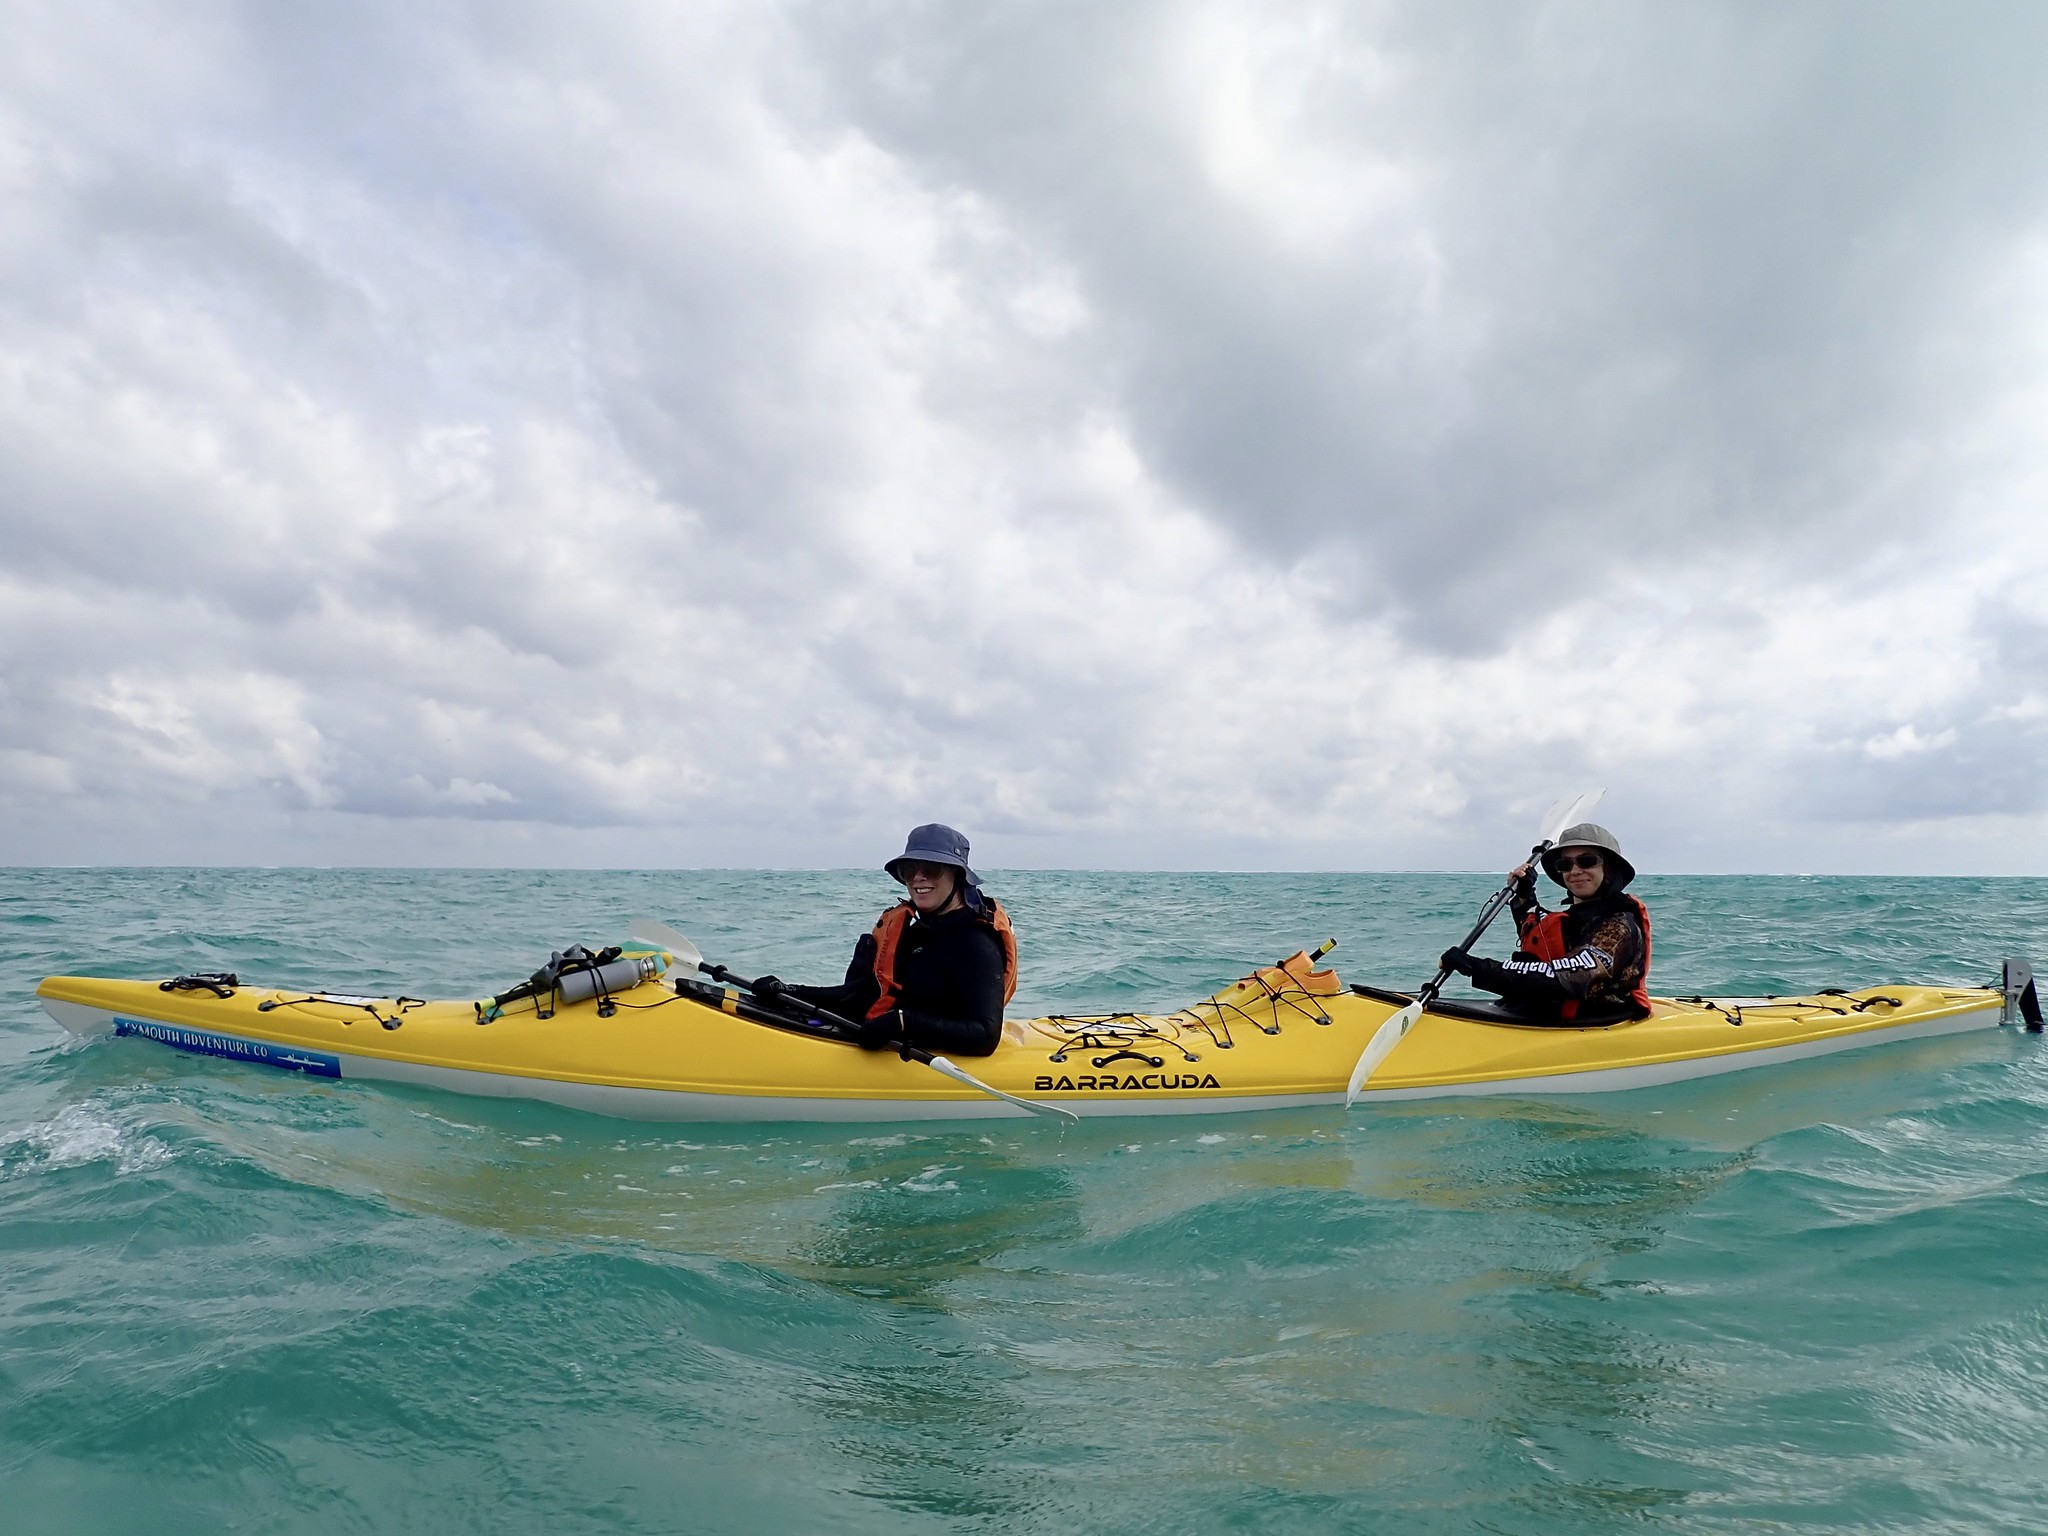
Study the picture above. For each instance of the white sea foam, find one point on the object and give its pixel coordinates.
(455, 1125)
(78, 1134)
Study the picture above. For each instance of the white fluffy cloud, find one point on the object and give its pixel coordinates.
(1229, 433)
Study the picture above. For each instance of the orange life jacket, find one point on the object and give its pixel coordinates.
(895, 922)
(1543, 937)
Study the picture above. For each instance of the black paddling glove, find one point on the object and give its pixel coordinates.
(1456, 960)
(879, 1034)
(769, 989)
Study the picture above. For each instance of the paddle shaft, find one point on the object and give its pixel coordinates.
(909, 1052)
(848, 1033)
(822, 1015)
(1487, 914)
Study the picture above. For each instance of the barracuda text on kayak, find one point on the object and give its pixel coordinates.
(1129, 1084)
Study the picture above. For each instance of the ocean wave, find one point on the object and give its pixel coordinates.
(76, 1135)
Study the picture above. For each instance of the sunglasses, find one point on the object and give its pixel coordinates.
(1567, 861)
(906, 868)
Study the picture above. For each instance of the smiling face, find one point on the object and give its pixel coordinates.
(934, 888)
(1583, 870)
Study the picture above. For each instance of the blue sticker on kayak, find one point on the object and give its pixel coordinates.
(206, 1043)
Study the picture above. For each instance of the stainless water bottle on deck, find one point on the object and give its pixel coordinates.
(620, 975)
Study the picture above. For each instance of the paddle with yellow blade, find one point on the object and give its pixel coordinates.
(1390, 1034)
(687, 955)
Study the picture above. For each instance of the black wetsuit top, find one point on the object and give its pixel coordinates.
(949, 975)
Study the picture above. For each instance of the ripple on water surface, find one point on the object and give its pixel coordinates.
(1808, 1298)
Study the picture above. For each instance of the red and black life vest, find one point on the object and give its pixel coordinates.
(895, 922)
(1543, 937)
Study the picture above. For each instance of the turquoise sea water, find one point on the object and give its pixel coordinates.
(1812, 1297)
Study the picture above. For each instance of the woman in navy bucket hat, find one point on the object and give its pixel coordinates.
(938, 967)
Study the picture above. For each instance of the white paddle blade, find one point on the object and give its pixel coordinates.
(968, 1079)
(1567, 813)
(647, 931)
(1379, 1048)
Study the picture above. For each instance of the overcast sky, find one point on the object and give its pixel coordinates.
(1180, 435)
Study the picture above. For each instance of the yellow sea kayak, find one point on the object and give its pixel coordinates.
(1285, 1036)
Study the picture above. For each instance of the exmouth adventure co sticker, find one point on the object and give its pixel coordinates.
(289, 1057)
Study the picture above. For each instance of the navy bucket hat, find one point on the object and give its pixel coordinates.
(934, 843)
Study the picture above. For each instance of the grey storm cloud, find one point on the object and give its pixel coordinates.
(1640, 281)
(1297, 434)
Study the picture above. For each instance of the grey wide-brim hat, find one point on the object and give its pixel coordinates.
(1590, 834)
(934, 843)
